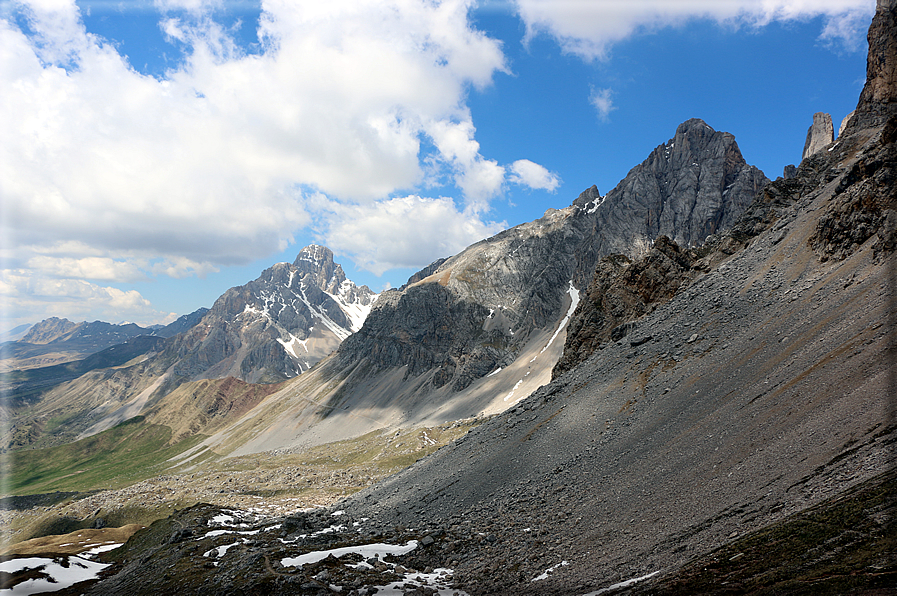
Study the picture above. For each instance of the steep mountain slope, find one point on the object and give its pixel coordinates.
(759, 389)
(481, 330)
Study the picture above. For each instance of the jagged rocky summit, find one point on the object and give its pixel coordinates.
(279, 325)
(475, 313)
(820, 135)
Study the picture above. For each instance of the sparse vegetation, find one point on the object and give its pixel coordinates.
(280, 482)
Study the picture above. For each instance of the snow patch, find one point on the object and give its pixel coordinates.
(596, 202)
(548, 571)
(220, 551)
(574, 302)
(101, 549)
(625, 584)
(440, 580)
(367, 551)
(53, 576)
(318, 313)
(356, 313)
(290, 346)
(517, 386)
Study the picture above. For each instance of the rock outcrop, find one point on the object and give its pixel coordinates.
(866, 206)
(844, 122)
(878, 100)
(622, 290)
(820, 135)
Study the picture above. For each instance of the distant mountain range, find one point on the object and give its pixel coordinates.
(266, 331)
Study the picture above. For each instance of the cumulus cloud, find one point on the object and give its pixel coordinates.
(209, 166)
(409, 231)
(588, 29)
(37, 297)
(533, 175)
(100, 268)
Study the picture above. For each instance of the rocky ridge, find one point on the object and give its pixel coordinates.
(476, 333)
(473, 313)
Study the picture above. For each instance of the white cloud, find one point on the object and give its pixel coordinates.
(531, 174)
(207, 163)
(480, 179)
(588, 29)
(600, 98)
(99, 268)
(37, 297)
(401, 232)
(181, 267)
(195, 6)
(126, 175)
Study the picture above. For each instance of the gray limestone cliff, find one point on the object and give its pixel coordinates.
(474, 312)
(820, 135)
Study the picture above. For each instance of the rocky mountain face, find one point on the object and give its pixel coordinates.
(755, 388)
(621, 291)
(472, 314)
(277, 326)
(820, 135)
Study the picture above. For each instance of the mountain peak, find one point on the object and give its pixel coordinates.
(279, 324)
(314, 253)
(50, 329)
(315, 265)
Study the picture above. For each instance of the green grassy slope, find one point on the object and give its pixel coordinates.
(127, 453)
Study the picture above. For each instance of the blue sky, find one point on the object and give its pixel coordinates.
(157, 153)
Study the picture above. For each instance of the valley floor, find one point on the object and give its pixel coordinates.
(273, 483)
